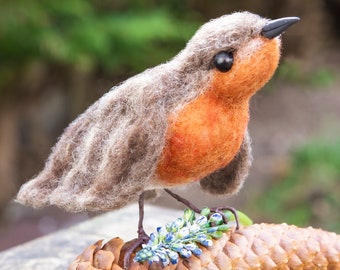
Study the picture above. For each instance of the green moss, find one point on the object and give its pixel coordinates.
(309, 194)
(291, 71)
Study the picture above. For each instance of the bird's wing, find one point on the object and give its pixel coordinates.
(229, 179)
(105, 158)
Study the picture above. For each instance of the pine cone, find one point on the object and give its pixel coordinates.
(97, 257)
(260, 246)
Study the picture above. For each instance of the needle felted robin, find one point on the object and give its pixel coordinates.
(179, 122)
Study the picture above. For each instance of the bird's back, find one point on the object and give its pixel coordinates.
(107, 156)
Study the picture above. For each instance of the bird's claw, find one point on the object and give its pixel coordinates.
(143, 238)
(225, 219)
(215, 210)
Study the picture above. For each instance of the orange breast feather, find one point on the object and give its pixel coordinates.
(202, 138)
(208, 132)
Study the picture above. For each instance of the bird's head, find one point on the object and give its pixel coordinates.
(238, 52)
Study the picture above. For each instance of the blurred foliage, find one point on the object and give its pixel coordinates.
(87, 35)
(291, 71)
(309, 194)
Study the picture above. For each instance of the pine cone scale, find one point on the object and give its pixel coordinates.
(259, 246)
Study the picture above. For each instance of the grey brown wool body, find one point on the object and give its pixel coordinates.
(108, 156)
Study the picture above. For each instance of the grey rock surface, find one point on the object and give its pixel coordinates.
(58, 250)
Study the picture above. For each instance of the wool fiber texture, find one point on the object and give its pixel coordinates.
(208, 132)
(229, 179)
(109, 155)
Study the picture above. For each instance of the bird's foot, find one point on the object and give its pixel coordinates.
(130, 247)
(221, 210)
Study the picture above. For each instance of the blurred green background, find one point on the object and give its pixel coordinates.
(58, 57)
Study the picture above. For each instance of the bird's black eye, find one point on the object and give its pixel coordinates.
(223, 61)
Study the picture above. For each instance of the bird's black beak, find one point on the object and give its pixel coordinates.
(276, 27)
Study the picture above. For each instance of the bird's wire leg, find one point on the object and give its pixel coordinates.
(141, 232)
(182, 200)
(142, 236)
(197, 210)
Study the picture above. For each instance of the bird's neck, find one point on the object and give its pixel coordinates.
(249, 72)
(231, 93)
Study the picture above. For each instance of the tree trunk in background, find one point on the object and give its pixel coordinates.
(9, 145)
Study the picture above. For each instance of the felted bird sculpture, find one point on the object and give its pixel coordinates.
(179, 122)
